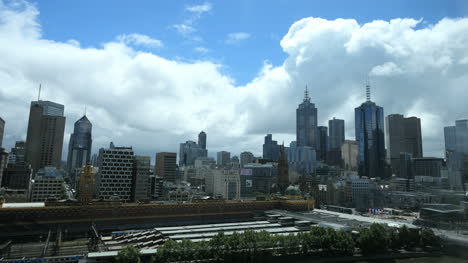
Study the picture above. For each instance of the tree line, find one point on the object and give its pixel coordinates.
(262, 246)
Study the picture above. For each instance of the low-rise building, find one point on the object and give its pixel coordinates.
(48, 184)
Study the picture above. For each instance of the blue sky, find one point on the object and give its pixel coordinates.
(266, 22)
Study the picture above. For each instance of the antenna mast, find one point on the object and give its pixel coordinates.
(39, 95)
(368, 93)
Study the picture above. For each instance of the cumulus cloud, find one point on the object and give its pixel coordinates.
(386, 69)
(234, 38)
(140, 40)
(153, 103)
(199, 9)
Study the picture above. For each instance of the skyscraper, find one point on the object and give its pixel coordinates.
(322, 143)
(369, 125)
(166, 166)
(115, 176)
(2, 128)
(336, 131)
(79, 147)
(189, 151)
(202, 139)
(245, 158)
(270, 148)
(349, 153)
(141, 174)
(403, 136)
(306, 123)
(456, 149)
(44, 139)
(283, 170)
(223, 158)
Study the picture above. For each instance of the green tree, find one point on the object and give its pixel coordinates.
(128, 255)
(429, 239)
(344, 243)
(374, 240)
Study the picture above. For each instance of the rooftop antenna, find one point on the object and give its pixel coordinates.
(39, 95)
(368, 94)
(306, 94)
(84, 110)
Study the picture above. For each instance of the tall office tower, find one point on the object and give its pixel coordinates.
(283, 170)
(189, 151)
(402, 135)
(114, 178)
(306, 123)
(223, 158)
(270, 148)
(48, 184)
(370, 137)
(302, 159)
(86, 186)
(17, 154)
(336, 131)
(245, 158)
(235, 159)
(202, 140)
(2, 129)
(349, 153)
(322, 143)
(166, 166)
(79, 148)
(141, 174)
(44, 139)
(336, 138)
(456, 148)
(3, 163)
(407, 169)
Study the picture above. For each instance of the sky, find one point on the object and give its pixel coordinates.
(153, 74)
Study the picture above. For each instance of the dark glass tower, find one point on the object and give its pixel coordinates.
(322, 143)
(369, 124)
(202, 139)
(306, 123)
(271, 149)
(79, 148)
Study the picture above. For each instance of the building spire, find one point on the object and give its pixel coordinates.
(306, 94)
(39, 94)
(368, 91)
(84, 113)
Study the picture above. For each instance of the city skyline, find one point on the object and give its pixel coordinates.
(240, 114)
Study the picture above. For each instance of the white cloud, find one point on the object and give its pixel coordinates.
(153, 103)
(184, 29)
(140, 40)
(199, 9)
(234, 38)
(386, 69)
(201, 50)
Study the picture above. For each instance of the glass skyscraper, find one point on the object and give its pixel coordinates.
(369, 125)
(306, 123)
(79, 147)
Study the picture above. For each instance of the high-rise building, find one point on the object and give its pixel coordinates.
(283, 170)
(3, 163)
(407, 169)
(223, 158)
(428, 166)
(349, 153)
(456, 149)
(44, 139)
(270, 148)
(115, 176)
(235, 159)
(18, 173)
(336, 131)
(48, 184)
(369, 119)
(245, 158)
(303, 159)
(336, 138)
(2, 129)
(202, 140)
(17, 154)
(155, 187)
(322, 143)
(79, 147)
(306, 123)
(189, 151)
(86, 185)
(403, 135)
(223, 183)
(166, 166)
(141, 174)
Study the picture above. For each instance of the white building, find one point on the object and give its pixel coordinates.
(224, 183)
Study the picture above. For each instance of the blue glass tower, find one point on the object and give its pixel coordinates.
(369, 124)
(79, 148)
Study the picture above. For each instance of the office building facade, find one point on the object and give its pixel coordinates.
(223, 158)
(349, 153)
(322, 143)
(166, 166)
(86, 185)
(246, 158)
(270, 148)
(306, 123)
(44, 139)
(79, 147)
(336, 138)
(2, 130)
(48, 184)
(141, 174)
(402, 135)
(189, 151)
(115, 176)
(369, 130)
(202, 140)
